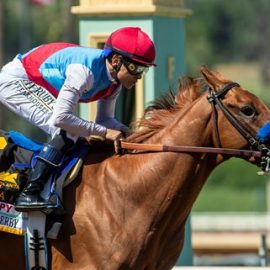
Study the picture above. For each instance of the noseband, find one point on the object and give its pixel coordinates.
(258, 150)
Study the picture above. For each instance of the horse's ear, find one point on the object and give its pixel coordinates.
(213, 78)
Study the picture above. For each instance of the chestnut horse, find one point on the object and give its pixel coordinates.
(129, 211)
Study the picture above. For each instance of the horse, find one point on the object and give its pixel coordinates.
(128, 210)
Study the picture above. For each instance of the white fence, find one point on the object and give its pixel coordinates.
(230, 222)
(229, 232)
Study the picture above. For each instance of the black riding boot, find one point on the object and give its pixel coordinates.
(30, 199)
(50, 157)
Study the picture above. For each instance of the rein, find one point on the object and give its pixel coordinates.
(214, 98)
(188, 149)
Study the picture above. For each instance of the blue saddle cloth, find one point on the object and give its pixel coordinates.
(61, 172)
(31, 145)
(24, 142)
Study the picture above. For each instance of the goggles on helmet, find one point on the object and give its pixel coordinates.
(133, 68)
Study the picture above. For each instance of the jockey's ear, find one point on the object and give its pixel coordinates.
(213, 78)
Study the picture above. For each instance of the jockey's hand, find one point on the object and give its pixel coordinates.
(116, 136)
(113, 135)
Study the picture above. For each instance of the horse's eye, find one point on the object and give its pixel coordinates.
(248, 111)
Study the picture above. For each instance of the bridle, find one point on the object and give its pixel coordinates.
(257, 149)
(215, 98)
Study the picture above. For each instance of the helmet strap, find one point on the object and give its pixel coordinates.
(116, 65)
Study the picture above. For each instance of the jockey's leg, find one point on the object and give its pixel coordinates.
(50, 156)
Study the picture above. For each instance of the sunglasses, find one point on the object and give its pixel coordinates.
(134, 69)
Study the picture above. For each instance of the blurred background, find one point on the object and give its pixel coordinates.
(233, 38)
(229, 36)
(25, 24)
(232, 212)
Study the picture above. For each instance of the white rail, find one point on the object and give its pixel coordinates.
(230, 222)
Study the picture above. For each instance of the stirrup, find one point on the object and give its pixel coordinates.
(51, 155)
(31, 206)
(54, 204)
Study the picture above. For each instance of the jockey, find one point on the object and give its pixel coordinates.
(45, 85)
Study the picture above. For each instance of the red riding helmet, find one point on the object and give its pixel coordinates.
(134, 44)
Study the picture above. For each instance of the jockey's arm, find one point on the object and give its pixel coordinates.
(106, 114)
(78, 79)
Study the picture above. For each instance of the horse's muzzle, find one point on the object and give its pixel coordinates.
(264, 161)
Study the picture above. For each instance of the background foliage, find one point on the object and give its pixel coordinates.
(232, 37)
(229, 31)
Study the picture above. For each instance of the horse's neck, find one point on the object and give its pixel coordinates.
(180, 177)
(173, 174)
(193, 127)
(153, 188)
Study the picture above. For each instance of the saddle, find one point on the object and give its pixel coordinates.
(17, 158)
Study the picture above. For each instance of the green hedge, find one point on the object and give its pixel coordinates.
(227, 199)
(233, 186)
(238, 174)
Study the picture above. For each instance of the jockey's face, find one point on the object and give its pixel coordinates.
(124, 75)
(126, 78)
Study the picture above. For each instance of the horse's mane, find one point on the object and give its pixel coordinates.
(160, 112)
